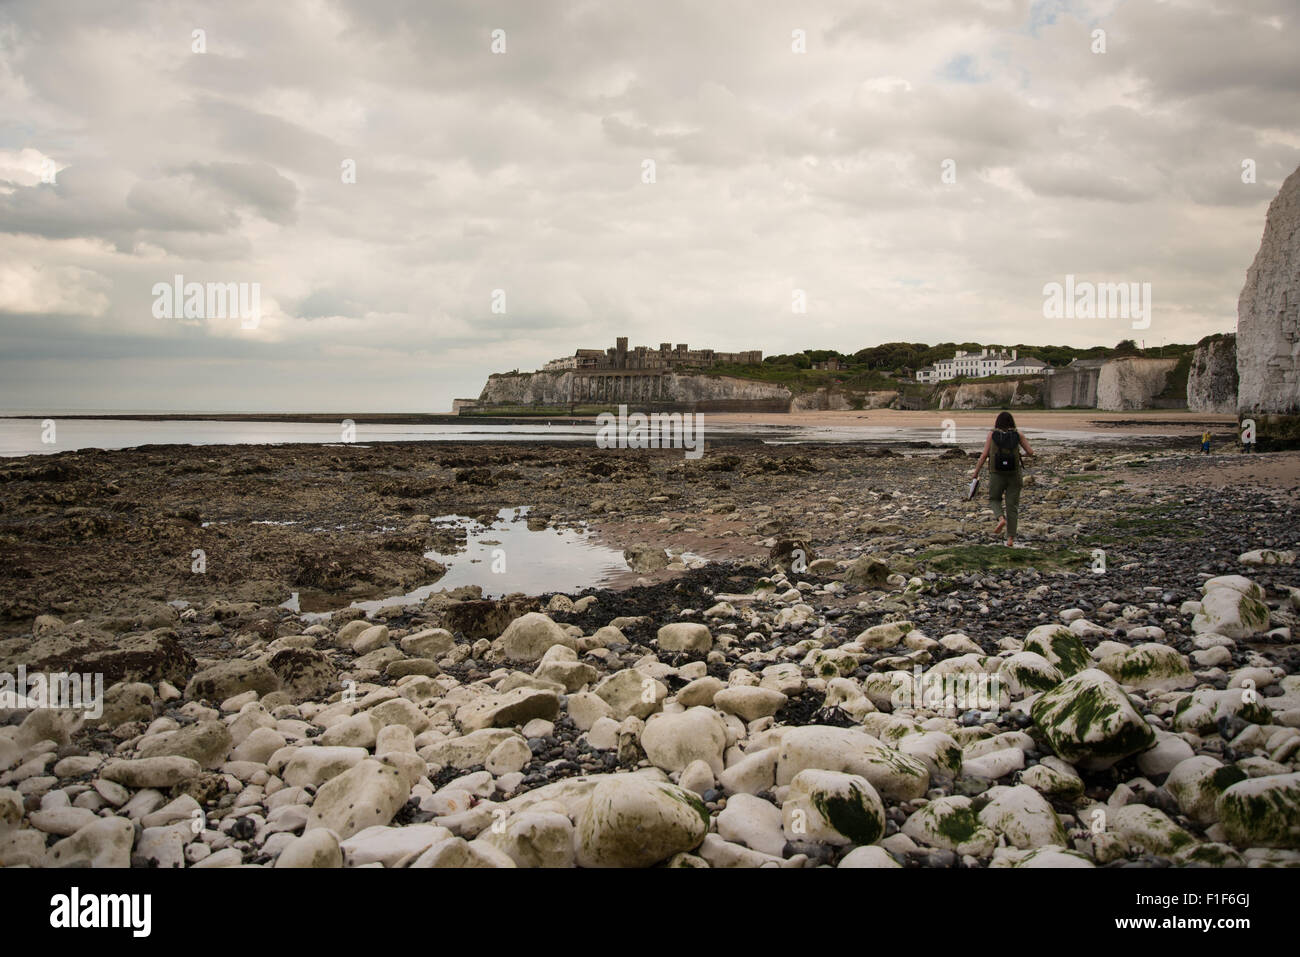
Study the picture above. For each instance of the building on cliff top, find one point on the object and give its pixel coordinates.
(666, 357)
(979, 365)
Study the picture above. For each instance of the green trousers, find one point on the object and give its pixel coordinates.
(1008, 484)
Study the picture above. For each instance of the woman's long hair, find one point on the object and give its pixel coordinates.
(1005, 421)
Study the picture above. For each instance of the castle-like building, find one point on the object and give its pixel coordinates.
(642, 358)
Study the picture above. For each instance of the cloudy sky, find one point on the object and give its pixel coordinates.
(126, 158)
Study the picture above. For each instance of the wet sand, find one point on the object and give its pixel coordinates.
(1138, 422)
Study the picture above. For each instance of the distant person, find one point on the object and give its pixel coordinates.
(1002, 449)
(1205, 442)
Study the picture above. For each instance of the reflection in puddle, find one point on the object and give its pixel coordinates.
(507, 556)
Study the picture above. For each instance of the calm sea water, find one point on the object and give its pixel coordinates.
(26, 436)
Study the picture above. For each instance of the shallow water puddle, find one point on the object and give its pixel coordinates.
(507, 556)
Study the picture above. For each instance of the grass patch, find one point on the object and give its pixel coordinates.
(963, 558)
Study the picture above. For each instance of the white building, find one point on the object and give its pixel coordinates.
(979, 365)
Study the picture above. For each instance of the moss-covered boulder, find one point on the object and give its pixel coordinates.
(1201, 710)
(1149, 667)
(894, 775)
(1089, 720)
(1150, 829)
(1229, 612)
(1027, 672)
(951, 823)
(1060, 646)
(831, 807)
(1023, 817)
(634, 821)
(1197, 783)
(1262, 812)
(1208, 855)
(938, 751)
(1054, 778)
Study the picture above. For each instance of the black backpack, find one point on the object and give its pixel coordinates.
(1006, 446)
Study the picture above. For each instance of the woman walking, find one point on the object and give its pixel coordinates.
(1002, 449)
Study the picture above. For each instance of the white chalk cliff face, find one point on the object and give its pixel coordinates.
(1212, 380)
(1268, 312)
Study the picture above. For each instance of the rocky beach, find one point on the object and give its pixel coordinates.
(817, 656)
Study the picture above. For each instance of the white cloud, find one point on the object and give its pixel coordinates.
(522, 172)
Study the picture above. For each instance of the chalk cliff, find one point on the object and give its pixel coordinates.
(1268, 312)
(991, 395)
(702, 392)
(1132, 383)
(1212, 380)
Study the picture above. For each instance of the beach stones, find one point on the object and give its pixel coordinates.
(894, 775)
(1149, 667)
(431, 643)
(831, 807)
(753, 822)
(314, 849)
(1060, 647)
(952, 824)
(1197, 783)
(158, 772)
(645, 559)
(229, 678)
(514, 708)
(1022, 816)
(304, 673)
(313, 766)
(1027, 672)
(106, 842)
(1262, 812)
(685, 636)
(527, 638)
(1230, 610)
(633, 821)
(367, 794)
(534, 839)
(630, 693)
(1149, 828)
(1089, 720)
(749, 703)
(674, 741)
(206, 742)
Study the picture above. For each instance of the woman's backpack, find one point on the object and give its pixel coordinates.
(1006, 450)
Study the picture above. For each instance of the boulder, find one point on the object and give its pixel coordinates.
(686, 636)
(830, 807)
(229, 678)
(206, 742)
(894, 775)
(1262, 812)
(674, 741)
(1060, 646)
(1089, 720)
(150, 657)
(527, 638)
(304, 673)
(631, 820)
(369, 793)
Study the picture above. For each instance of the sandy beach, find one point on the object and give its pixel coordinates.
(1138, 422)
